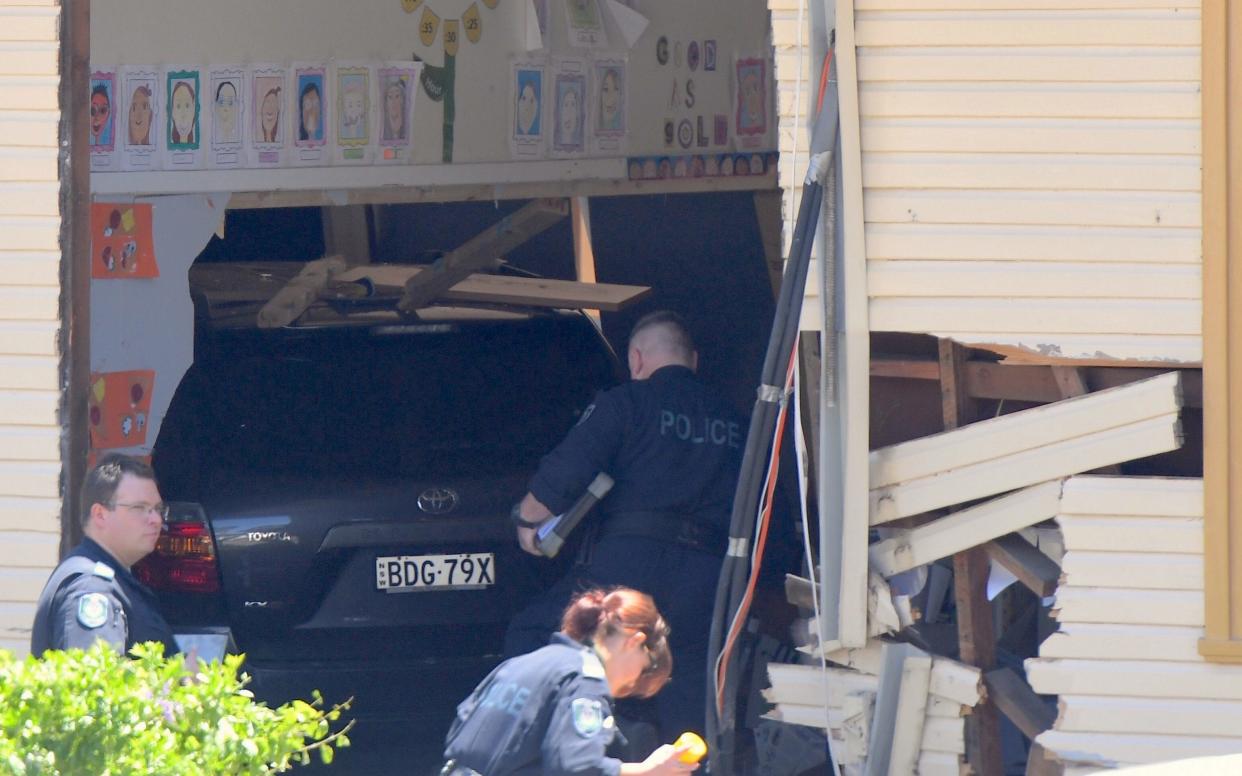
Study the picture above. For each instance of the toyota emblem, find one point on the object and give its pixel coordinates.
(437, 501)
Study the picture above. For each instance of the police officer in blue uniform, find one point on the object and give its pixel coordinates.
(673, 446)
(92, 594)
(550, 712)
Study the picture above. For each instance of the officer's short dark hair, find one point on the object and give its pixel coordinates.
(672, 322)
(101, 482)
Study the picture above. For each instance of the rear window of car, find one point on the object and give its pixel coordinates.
(387, 402)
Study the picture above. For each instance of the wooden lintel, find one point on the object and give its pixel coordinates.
(1017, 701)
(1033, 568)
(488, 192)
(482, 251)
(1030, 382)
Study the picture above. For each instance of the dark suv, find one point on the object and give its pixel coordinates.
(342, 488)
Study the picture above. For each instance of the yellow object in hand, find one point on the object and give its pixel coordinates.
(695, 747)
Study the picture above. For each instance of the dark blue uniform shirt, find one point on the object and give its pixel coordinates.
(671, 443)
(91, 596)
(547, 712)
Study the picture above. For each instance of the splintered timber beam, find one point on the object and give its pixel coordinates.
(1017, 701)
(965, 529)
(1033, 568)
(288, 304)
(911, 714)
(482, 251)
(1027, 430)
(1024, 448)
(885, 717)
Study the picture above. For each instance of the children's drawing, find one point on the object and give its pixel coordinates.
(609, 112)
(118, 406)
(570, 114)
(526, 137)
(398, 82)
(139, 91)
(103, 121)
(121, 241)
(309, 113)
(183, 118)
(268, 126)
(751, 101)
(353, 121)
(611, 107)
(586, 27)
(226, 90)
(354, 135)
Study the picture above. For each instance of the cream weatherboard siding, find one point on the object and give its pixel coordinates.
(29, 311)
(1030, 171)
(1124, 662)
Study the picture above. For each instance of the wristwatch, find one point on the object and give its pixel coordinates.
(515, 515)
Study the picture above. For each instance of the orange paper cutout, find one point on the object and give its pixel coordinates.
(119, 403)
(121, 243)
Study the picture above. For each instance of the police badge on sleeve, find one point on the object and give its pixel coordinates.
(588, 715)
(93, 610)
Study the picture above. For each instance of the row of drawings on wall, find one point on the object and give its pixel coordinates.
(565, 107)
(252, 116)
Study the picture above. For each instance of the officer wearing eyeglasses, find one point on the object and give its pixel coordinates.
(92, 594)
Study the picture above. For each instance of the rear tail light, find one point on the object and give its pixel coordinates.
(184, 559)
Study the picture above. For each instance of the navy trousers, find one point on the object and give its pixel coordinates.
(683, 583)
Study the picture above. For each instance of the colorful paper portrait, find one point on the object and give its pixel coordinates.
(227, 110)
(353, 109)
(267, 95)
(751, 118)
(121, 241)
(310, 107)
(610, 104)
(528, 107)
(569, 112)
(586, 27)
(182, 117)
(226, 98)
(103, 114)
(140, 94)
(119, 404)
(396, 105)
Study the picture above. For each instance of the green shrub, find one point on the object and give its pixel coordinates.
(74, 713)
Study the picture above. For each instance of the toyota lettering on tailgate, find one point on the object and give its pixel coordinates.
(411, 573)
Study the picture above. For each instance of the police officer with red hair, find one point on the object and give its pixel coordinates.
(550, 712)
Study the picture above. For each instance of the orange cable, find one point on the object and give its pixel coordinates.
(760, 544)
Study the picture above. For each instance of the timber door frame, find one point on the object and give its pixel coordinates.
(73, 339)
(1222, 329)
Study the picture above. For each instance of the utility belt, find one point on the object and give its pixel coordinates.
(669, 527)
(451, 768)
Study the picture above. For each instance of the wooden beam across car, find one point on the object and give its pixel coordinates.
(482, 251)
(504, 289)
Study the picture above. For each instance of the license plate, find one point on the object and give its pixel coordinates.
(411, 573)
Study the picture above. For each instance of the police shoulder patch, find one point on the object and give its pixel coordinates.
(93, 610)
(592, 668)
(104, 570)
(588, 715)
